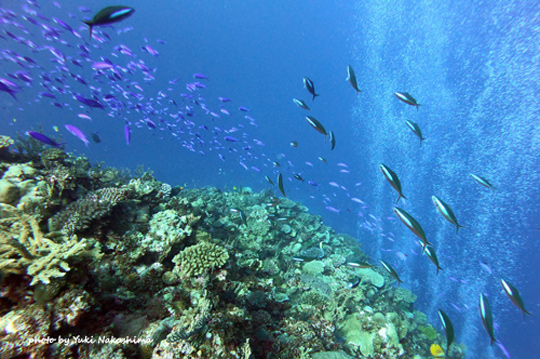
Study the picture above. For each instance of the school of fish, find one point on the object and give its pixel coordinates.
(118, 85)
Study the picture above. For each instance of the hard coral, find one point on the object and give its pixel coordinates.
(23, 246)
(79, 214)
(200, 258)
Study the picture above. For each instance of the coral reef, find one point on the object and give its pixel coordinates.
(124, 266)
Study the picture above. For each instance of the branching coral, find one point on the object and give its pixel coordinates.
(23, 246)
(79, 214)
(200, 258)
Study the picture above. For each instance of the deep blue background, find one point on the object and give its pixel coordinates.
(472, 66)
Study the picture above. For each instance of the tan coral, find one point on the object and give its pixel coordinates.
(23, 247)
(5, 141)
(200, 258)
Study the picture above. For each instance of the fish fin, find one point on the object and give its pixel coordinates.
(458, 226)
(90, 26)
(314, 95)
(399, 197)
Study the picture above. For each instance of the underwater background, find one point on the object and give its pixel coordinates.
(472, 66)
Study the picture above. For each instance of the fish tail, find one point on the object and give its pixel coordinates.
(400, 197)
(90, 26)
(458, 226)
(314, 95)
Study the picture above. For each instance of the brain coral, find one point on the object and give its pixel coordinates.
(200, 258)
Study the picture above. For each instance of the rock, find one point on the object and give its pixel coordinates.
(314, 268)
(9, 193)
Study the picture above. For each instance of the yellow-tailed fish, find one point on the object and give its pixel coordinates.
(316, 125)
(351, 77)
(392, 177)
(416, 129)
(448, 329)
(280, 184)
(407, 98)
(412, 224)
(514, 296)
(484, 182)
(392, 271)
(487, 317)
(446, 211)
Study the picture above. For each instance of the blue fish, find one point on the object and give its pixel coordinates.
(44, 139)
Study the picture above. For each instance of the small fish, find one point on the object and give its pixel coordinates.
(412, 224)
(351, 77)
(354, 283)
(322, 159)
(487, 317)
(310, 87)
(446, 211)
(448, 329)
(514, 296)
(293, 144)
(298, 177)
(430, 252)
(359, 265)
(77, 133)
(407, 98)
(416, 129)
(484, 182)
(297, 259)
(392, 271)
(44, 139)
(316, 125)
(301, 104)
(241, 214)
(109, 15)
(276, 164)
(332, 141)
(393, 179)
(201, 77)
(437, 351)
(127, 134)
(280, 185)
(95, 137)
(332, 209)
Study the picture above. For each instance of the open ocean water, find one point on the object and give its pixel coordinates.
(473, 66)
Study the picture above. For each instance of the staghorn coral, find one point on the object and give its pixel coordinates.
(200, 258)
(79, 214)
(24, 247)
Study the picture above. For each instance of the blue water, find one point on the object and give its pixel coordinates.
(474, 68)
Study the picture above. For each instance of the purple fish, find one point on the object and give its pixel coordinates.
(127, 133)
(224, 99)
(5, 88)
(244, 109)
(44, 139)
(332, 209)
(77, 133)
(200, 76)
(102, 66)
(90, 102)
(231, 139)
